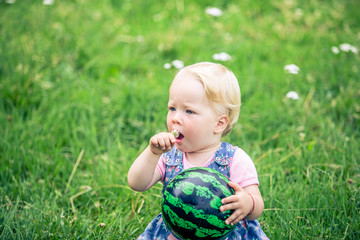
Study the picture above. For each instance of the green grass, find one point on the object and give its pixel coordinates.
(83, 88)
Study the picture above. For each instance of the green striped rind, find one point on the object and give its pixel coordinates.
(191, 189)
(205, 178)
(209, 170)
(199, 214)
(200, 232)
(188, 188)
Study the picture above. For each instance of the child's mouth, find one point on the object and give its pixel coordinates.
(178, 135)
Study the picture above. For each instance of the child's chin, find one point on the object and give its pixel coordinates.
(180, 146)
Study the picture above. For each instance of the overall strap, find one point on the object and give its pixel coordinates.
(222, 159)
(174, 161)
(173, 164)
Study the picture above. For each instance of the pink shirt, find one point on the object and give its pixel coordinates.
(242, 168)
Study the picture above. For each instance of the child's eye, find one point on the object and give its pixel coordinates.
(189, 112)
(172, 109)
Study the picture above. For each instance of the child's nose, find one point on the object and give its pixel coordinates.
(177, 117)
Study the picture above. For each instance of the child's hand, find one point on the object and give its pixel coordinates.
(240, 202)
(162, 143)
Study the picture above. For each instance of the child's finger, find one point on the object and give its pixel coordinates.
(235, 186)
(168, 144)
(154, 141)
(161, 143)
(233, 217)
(237, 219)
(230, 199)
(230, 203)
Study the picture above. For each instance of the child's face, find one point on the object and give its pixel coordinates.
(191, 114)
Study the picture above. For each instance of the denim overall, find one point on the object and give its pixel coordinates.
(173, 165)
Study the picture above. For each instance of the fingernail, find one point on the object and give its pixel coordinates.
(227, 222)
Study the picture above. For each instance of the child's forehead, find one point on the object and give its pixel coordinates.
(186, 77)
(187, 83)
(187, 88)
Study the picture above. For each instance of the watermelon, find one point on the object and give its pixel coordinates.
(191, 202)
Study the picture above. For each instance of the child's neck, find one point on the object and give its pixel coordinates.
(199, 158)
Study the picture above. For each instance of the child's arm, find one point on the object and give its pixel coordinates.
(246, 203)
(142, 174)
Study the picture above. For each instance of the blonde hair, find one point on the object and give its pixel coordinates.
(221, 88)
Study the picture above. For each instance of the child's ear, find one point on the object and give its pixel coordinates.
(221, 124)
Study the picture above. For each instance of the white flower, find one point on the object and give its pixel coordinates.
(167, 65)
(354, 50)
(178, 64)
(335, 50)
(48, 2)
(223, 56)
(345, 47)
(292, 68)
(213, 11)
(292, 95)
(10, 1)
(102, 225)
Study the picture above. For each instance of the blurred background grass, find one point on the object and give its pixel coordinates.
(83, 88)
